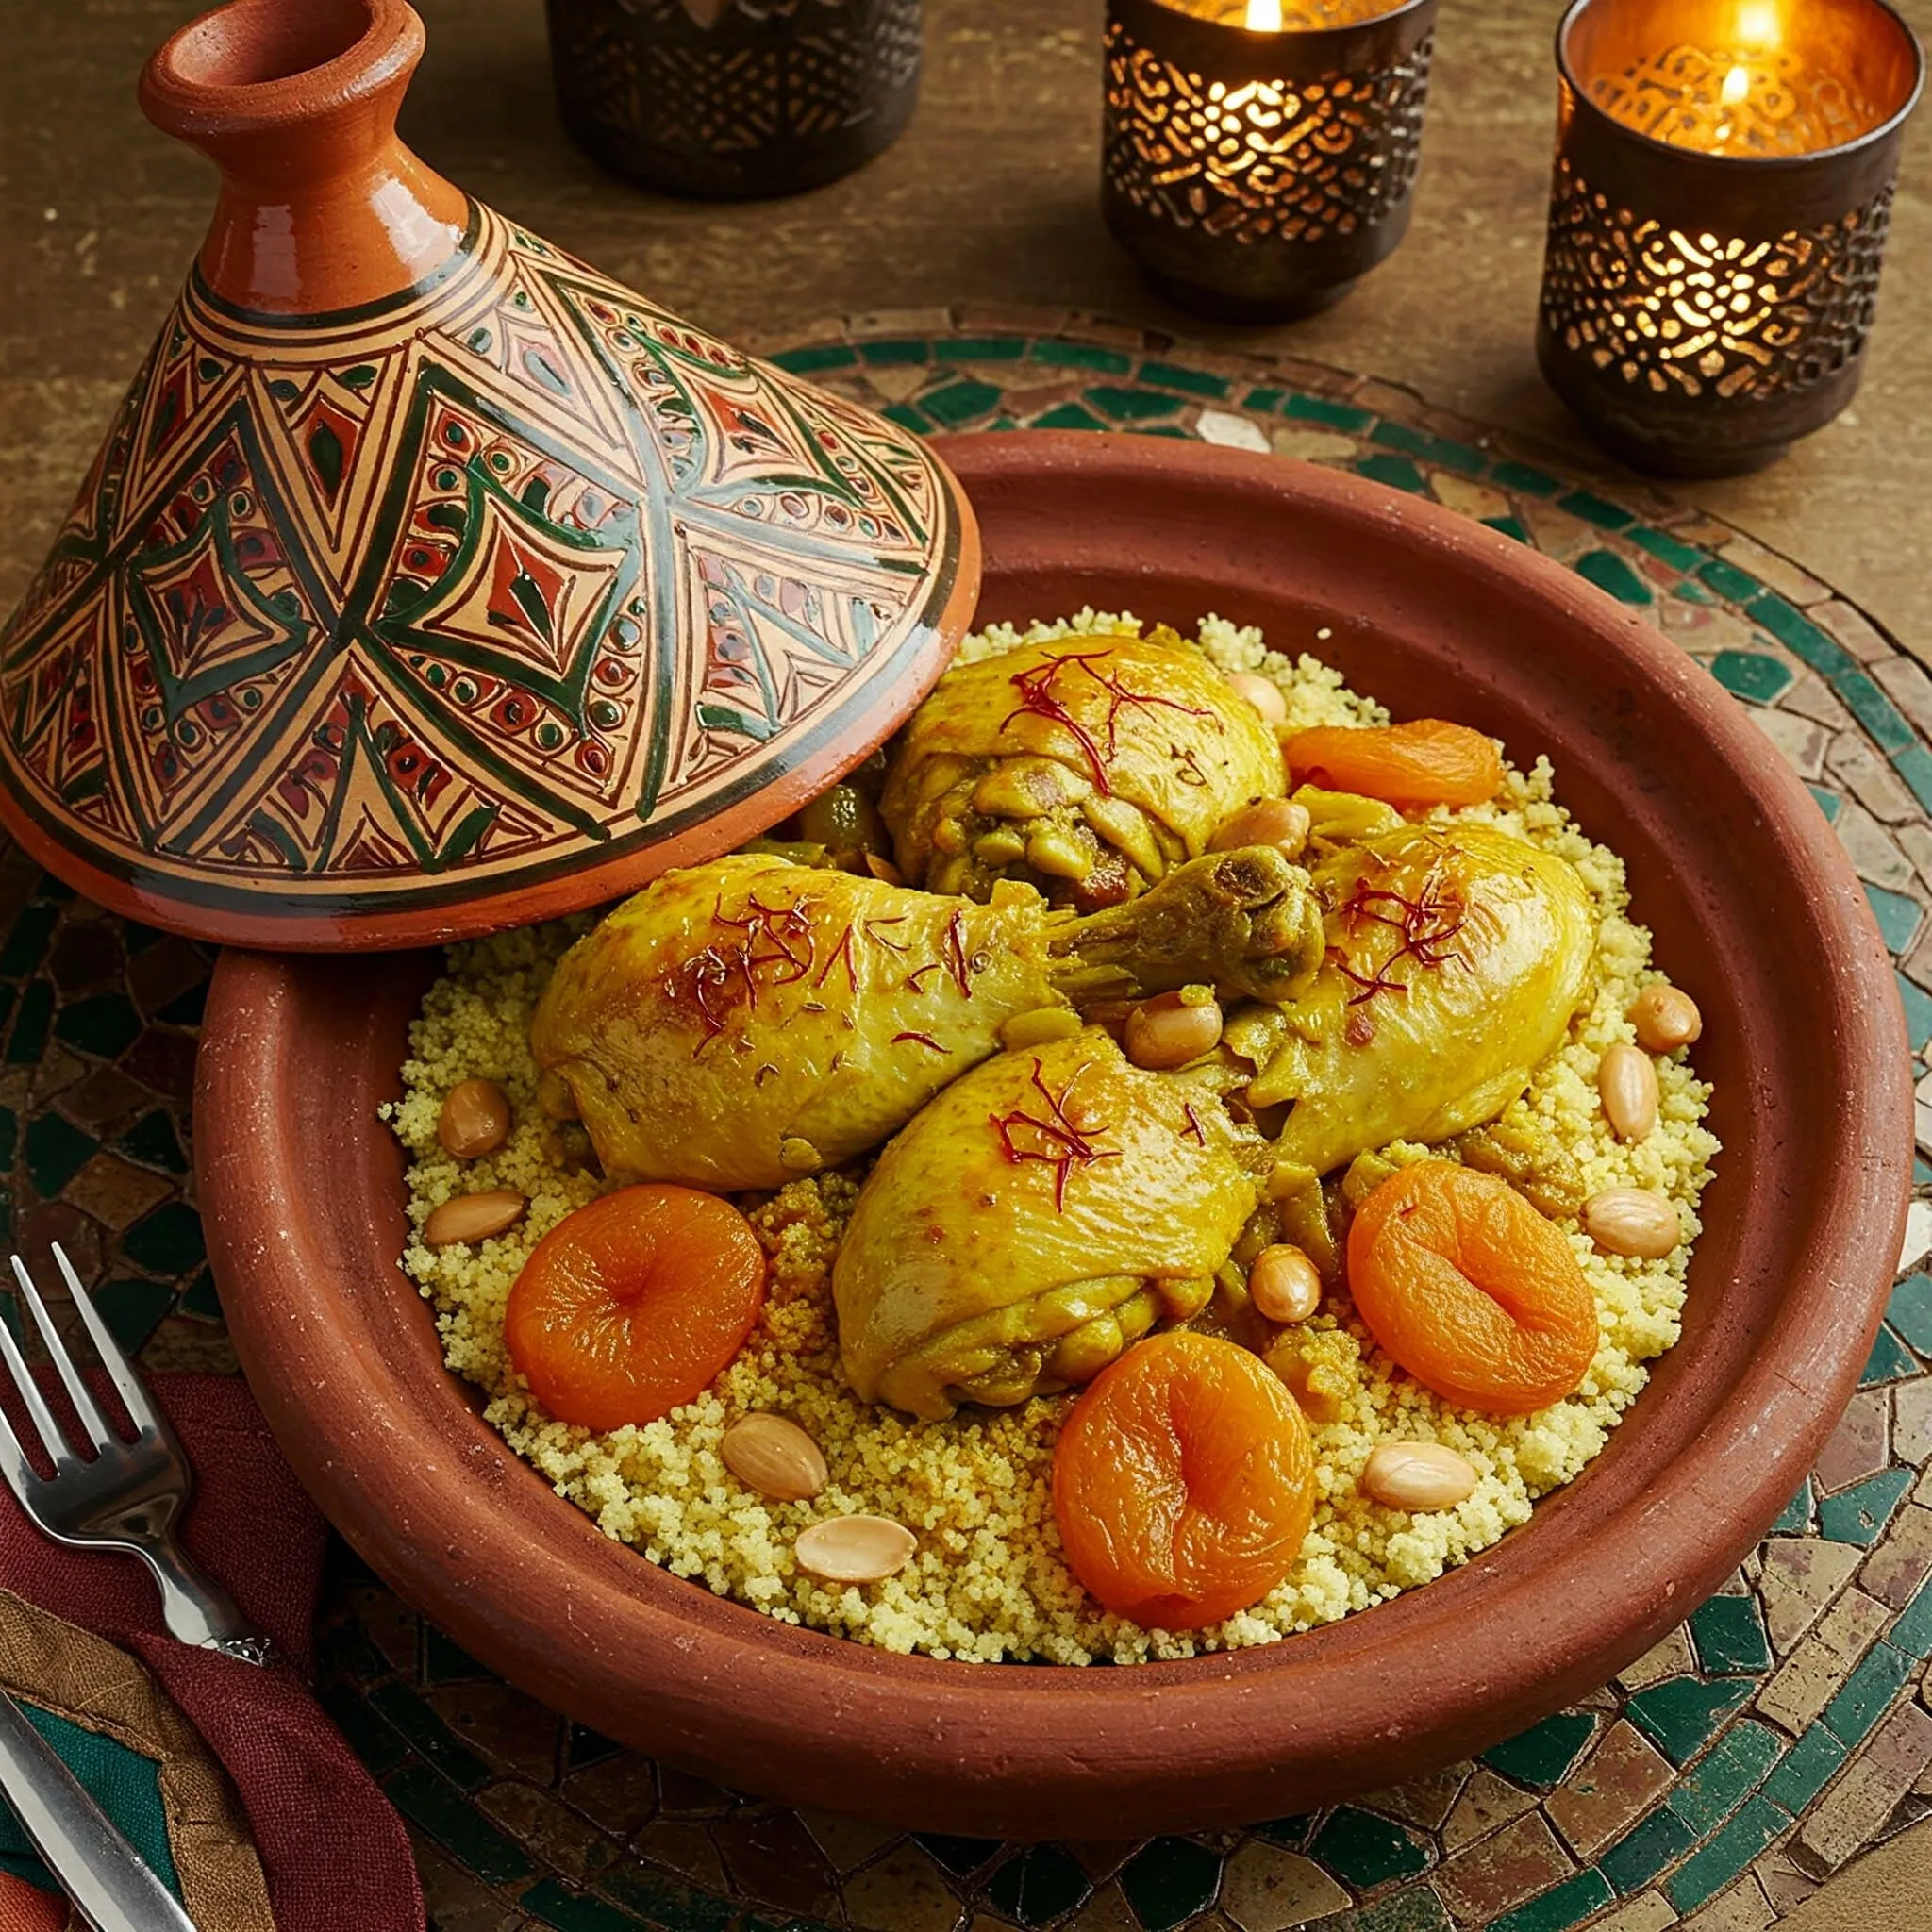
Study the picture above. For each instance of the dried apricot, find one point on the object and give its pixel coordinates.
(1470, 1290)
(1427, 762)
(631, 1304)
(1183, 1483)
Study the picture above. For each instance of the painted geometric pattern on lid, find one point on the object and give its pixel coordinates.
(374, 610)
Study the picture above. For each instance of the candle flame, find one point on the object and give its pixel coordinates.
(1737, 84)
(1759, 23)
(1264, 16)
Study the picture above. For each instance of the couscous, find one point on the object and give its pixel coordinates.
(1403, 1481)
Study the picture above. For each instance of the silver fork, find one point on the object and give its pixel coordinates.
(123, 1495)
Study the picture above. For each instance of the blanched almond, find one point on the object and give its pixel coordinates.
(855, 1549)
(1418, 1476)
(475, 1119)
(1171, 1029)
(1284, 1284)
(1277, 821)
(1263, 694)
(474, 1217)
(1632, 1221)
(772, 1455)
(1628, 1082)
(1666, 1018)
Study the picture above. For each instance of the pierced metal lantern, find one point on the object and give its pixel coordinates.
(1722, 187)
(1256, 174)
(730, 98)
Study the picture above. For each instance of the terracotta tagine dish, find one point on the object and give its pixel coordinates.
(428, 581)
(1749, 902)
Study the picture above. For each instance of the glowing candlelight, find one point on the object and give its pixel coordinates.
(1264, 16)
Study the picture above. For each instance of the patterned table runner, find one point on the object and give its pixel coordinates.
(1780, 1731)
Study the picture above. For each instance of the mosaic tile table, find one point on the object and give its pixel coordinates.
(1779, 1732)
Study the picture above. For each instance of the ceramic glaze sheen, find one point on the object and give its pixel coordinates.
(1729, 861)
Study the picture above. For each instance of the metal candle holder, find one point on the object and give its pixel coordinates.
(732, 98)
(1254, 176)
(1724, 181)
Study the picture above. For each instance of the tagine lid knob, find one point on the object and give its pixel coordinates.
(429, 582)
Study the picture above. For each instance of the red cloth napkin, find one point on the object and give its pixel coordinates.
(333, 1849)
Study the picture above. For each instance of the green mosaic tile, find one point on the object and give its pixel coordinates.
(1509, 526)
(370, 1739)
(1829, 802)
(1344, 416)
(815, 361)
(1520, 477)
(1131, 405)
(1437, 450)
(1593, 509)
(1367, 1849)
(1416, 1910)
(168, 1241)
(906, 417)
(56, 1151)
(1753, 675)
(1541, 1755)
(1914, 765)
(1706, 1873)
(1688, 593)
(1680, 1714)
(1857, 1514)
(1039, 1884)
(1160, 429)
(584, 1747)
(1727, 580)
(9, 1136)
(346, 1651)
(1912, 1631)
(1641, 1853)
(1069, 416)
(1795, 630)
(1922, 1171)
(1609, 572)
(1867, 1693)
(959, 402)
(446, 1660)
(1399, 473)
(439, 1810)
(551, 1904)
(1909, 1311)
(1266, 401)
(1292, 1832)
(202, 1299)
(1195, 382)
(1665, 547)
(1795, 1517)
(1898, 916)
(432, 1739)
(26, 941)
(1725, 1776)
(185, 1010)
(1728, 1632)
(1917, 1006)
(134, 1310)
(106, 1024)
(1890, 1360)
(1168, 1880)
(1059, 355)
(960, 1855)
(1806, 1770)
(897, 353)
(1560, 1908)
(153, 1139)
(54, 892)
(980, 348)
(1875, 712)
(28, 1040)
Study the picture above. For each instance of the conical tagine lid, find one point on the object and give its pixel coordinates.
(428, 581)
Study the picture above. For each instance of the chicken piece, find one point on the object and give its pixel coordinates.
(1088, 767)
(1458, 955)
(1028, 1223)
(742, 1023)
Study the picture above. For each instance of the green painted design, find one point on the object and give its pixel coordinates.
(959, 402)
(1560, 1908)
(1917, 1006)
(980, 348)
(1069, 416)
(1867, 1693)
(1875, 712)
(28, 1040)
(134, 1310)
(1727, 1774)
(1799, 634)
(1520, 476)
(1063, 355)
(1910, 1310)
(26, 942)
(815, 361)
(1609, 572)
(1753, 675)
(1857, 1514)
(1914, 765)
(1665, 547)
(553, 1904)
(57, 1149)
(1806, 1770)
(1595, 510)
(1540, 1756)
(1707, 1871)
(1330, 415)
(106, 1025)
(1889, 1360)
(1898, 916)
(1437, 450)
(1168, 1880)
(1680, 1714)
(897, 353)
(429, 1737)
(1132, 405)
(168, 1241)
(1728, 1632)
(1399, 473)
(1039, 1885)
(1194, 382)
(1727, 580)
(1912, 1631)
(1641, 1853)
(442, 1811)
(1367, 1849)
